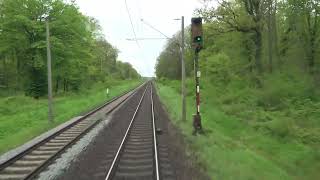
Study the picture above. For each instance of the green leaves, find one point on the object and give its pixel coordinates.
(80, 55)
(39, 44)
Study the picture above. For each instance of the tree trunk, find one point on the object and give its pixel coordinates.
(275, 34)
(250, 55)
(310, 39)
(5, 73)
(2, 74)
(57, 85)
(270, 38)
(16, 59)
(313, 37)
(258, 51)
(64, 85)
(311, 53)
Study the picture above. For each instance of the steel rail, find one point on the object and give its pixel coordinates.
(154, 138)
(111, 169)
(19, 156)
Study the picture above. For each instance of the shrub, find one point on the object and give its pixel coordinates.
(218, 66)
(279, 87)
(280, 126)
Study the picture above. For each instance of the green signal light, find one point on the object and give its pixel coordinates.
(198, 39)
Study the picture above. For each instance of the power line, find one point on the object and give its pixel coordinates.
(155, 29)
(134, 33)
(167, 37)
(133, 39)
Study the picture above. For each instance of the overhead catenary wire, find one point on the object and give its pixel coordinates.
(167, 37)
(142, 20)
(130, 39)
(134, 33)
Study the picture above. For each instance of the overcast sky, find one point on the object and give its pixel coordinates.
(114, 19)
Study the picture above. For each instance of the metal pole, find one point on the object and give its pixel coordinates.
(197, 117)
(183, 72)
(50, 108)
(197, 83)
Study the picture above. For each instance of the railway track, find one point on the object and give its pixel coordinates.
(30, 162)
(137, 155)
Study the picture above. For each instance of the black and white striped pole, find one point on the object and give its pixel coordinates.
(196, 31)
(197, 117)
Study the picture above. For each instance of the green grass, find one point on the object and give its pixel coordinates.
(232, 148)
(22, 118)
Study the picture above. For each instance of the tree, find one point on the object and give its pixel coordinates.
(169, 62)
(80, 54)
(246, 16)
(22, 22)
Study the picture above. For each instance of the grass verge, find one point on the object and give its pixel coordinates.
(22, 118)
(232, 149)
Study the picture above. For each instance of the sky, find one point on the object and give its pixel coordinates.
(115, 22)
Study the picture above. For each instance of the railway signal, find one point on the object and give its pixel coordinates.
(196, 33)
(197, 43)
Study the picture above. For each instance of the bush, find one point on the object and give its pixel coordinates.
(279, 87)
(281, 127)
(308, 136)
(218, 66)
